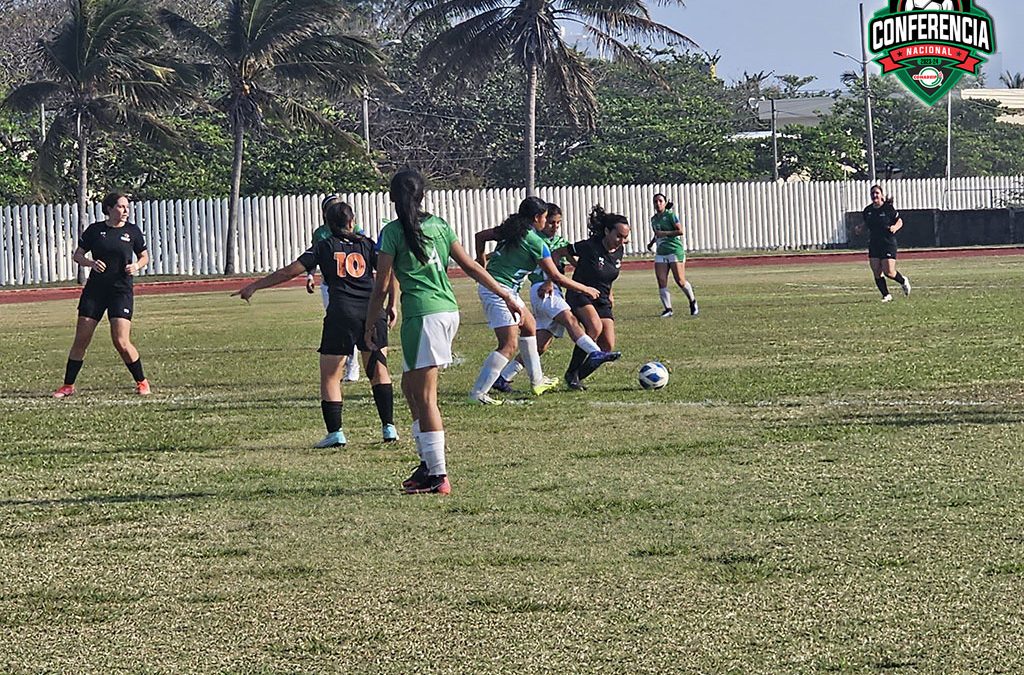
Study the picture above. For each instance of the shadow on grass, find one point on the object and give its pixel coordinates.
(108, 499)
(937, 418)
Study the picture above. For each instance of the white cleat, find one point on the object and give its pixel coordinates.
(484, 399)
(906, 287)
(887, 298)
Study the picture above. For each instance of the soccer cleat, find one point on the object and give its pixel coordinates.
(667, 313)
(547, 384)
(887, 298)
(431, 485)
(335, 439)
(593, 360)
(694, 309)
(389, 433)
(142, 388)
(572, 380)
(418, 477)
(502, 385)
(906, 287)
(484, 399)
(64, 391)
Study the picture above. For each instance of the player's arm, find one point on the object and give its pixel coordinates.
(677, 230)
(140, 261)
(392, 304)
(480, 240)
(549, 268)
(310, 282)
(895, 227)
(273, 279)
(382, 284)
(79, 257)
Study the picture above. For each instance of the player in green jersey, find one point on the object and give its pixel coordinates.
(670, 255)
(553, 315)
(416, 249)
(519, 251)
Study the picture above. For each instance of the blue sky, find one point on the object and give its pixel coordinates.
(798, 36)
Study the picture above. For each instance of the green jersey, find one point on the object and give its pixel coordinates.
(425, 286)
(666, 221)
(509, 265)
(554, 243)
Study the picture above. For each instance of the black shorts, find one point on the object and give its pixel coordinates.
(118, 303)
(603, 305)
(882, 251)
(342, 333)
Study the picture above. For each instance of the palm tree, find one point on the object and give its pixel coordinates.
(265, 53)
(100, 72)
(1012, 80)
(475, 34)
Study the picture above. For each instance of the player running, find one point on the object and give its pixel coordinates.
(520, 250)
(113, 244)
(553, 315)
(670, 255)
(416, 249)
(883, 221)
(346, 260)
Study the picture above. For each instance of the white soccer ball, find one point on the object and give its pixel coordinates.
(931, 5)
(653, 375)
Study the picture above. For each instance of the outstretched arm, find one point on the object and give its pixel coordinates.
(273, 279)
(549, 267)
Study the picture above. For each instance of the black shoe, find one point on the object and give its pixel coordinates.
(418, 477)
(593, 360)
(572, 380)
(694, 309)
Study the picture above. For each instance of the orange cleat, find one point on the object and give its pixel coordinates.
(432, 485)
(142, 388)
(64, 391)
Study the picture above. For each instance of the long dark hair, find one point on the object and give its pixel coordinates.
(339, 217)
(110, 201)
(554, 210)
(601, 221)
(668, 204)
(407, 193)
(514, 228)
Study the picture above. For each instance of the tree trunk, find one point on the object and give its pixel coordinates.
(234, 202)
(83, 190)
(530, 145)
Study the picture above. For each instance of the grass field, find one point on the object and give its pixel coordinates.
(827, 484)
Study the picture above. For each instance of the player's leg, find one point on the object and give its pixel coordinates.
(331, 400)
(661, 274)
(84, 330)
(120, 335)
(492, 366)
(376, 364)
(879, 276)
(889, 269)
(591, 322)
(679, 274)
(423, 388)
(606, 340)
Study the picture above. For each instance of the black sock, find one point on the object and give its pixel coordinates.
(899, 278)
(136, 370)
(384, 397)
(332, 415)
(882, 286)
(71, 371)
(578, 357)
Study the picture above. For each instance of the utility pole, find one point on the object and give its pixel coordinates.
(366, 119)
(949, 136)
(775, 144)
(867, 96)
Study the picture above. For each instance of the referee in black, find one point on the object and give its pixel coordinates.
(118, 252)
(883, 221)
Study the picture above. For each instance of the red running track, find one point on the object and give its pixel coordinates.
(230, 284)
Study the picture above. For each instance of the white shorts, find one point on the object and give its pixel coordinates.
(427, 340)
(671, 258)
(546, 309)
(325, 292)
(496, 310)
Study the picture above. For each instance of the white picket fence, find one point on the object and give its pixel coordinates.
(187, 237)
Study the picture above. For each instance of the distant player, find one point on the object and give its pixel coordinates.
(118, 252)
(346, 260)
(670, 255)
(416, 249)
(883, 221)
(324, 232)
(598, 260)
(519, 251)
(553, 314)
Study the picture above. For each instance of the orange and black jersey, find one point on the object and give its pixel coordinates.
(347, 267)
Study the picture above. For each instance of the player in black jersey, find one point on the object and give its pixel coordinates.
(598, 260)
(883, 221)
(347, 261)
(118, 252)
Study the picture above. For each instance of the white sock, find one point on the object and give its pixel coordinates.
(531, 359)
(352, 367)
(688, 290)
(511, 370)
(489, 372)
(416, 438)
(587, 344)
(433, 452)
(666, 298)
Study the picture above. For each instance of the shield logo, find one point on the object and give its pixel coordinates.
(930, 44)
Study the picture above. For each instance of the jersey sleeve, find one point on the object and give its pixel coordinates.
(308, 259)
(894, 215)
(88, 238)
(387, 243)
(140, 243)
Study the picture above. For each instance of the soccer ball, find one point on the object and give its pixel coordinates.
(931, 5)
(653, 375)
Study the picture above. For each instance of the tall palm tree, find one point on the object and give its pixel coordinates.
(474, 34)
(265, 54)
(101, 72)
(1012, 80)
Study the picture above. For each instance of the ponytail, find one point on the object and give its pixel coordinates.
(601, 221)
(668, 205)
(407, 193)
(514, 228)
(339, 217)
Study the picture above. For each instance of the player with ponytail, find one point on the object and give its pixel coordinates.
(670, 255)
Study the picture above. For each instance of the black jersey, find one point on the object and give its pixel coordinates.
(878, 220)
(116, 247)
(595, 265)
(347, 267)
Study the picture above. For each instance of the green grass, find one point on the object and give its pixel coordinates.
(826, 484)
